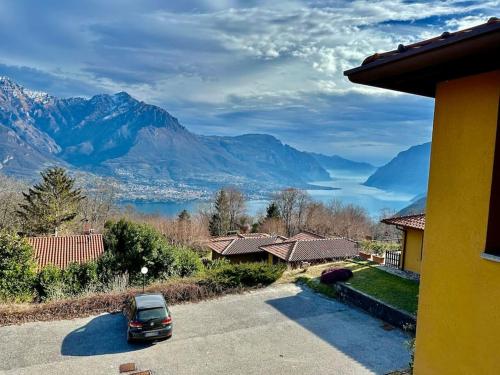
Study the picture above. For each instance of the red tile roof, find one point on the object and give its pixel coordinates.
(63, 250)
(410, 221)
(313, 249)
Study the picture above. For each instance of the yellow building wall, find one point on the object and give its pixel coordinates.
(413, 250)
(458, 327)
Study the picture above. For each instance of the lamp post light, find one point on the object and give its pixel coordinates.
(144, 271)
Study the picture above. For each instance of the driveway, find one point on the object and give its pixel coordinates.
(283, 329)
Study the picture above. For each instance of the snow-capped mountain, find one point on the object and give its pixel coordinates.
(120, 136)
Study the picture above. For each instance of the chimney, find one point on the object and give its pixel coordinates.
(87, 229)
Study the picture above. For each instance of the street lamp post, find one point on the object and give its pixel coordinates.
(144, 271)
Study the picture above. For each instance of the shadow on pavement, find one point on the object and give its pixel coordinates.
(348, 330)
(105, 334)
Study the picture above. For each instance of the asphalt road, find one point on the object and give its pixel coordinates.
(279, 330)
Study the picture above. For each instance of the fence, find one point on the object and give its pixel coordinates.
(392, 258)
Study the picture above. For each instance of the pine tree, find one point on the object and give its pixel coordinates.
(184, 216)
(272, 211)
(220, 220)
(49, 204)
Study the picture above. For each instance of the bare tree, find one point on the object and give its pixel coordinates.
(96, 208)
(10, 198)
(236, 208)
(292, 205)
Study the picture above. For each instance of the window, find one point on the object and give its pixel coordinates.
(493, 231)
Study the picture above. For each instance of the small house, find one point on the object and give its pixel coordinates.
(412, 250)
(242, 247)
(311, 248)
(61, 251)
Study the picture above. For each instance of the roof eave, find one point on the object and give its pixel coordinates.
(418, 71)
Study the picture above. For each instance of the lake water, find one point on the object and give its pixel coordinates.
(350, 191)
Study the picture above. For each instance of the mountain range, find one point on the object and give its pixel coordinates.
(135, 142)
(407, 173)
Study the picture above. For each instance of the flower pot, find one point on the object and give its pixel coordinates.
(378, 259)
(363, 255)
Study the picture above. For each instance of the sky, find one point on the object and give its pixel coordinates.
(229, 67)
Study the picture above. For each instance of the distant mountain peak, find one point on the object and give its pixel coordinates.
(408, 172)
(13, 88)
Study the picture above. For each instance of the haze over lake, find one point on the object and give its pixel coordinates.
(349, 191)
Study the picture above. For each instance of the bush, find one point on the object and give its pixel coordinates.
(215, 263)
(49, 284)
(17, 268)
(186, 262)
(54, 283)
(245, 274)
(174, 291)
(136, 245)
(79, 277)
(379, 247)
(333, 275)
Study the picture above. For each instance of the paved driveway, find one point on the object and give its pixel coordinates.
(279, 330)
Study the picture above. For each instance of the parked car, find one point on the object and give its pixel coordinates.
(148, 317)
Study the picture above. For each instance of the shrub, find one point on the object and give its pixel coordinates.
(78, 277)
(135, 245)
(49, 283)
(215, 263)
(333, 275)
(245, 274)
(379, 247)
(54, 283)
(186, 262)
(17, 268)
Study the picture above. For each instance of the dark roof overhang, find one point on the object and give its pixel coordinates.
(417, 68)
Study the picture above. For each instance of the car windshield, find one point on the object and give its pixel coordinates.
(152, 313)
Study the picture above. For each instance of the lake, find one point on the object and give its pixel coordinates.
(349, 191)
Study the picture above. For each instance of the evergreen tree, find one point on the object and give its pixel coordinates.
(220, 220)
(272, 211)
(184, 216)
(49, 204)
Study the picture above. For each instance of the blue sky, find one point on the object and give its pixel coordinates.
(231, 67)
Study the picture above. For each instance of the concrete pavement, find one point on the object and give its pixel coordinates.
(283, 329)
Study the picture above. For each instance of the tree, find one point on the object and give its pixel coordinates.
(236, 208)
(10, 198)
(98, 203)
(130, 246)
(17, 268)
(183, 216)
(219, 221)
(50, 203)
(292, 204)
(228, 210)
(272, 211)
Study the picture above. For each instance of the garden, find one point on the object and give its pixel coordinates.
(179, 273)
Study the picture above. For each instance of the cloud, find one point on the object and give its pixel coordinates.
(235, 66)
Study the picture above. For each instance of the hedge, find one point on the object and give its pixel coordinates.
(177, 291)
(219, 281)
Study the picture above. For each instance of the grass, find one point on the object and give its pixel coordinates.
(315, 285)
(394, 290)
(391, 289)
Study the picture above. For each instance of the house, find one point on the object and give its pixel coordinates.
(311, 248)
(241, 247)
(60, 251)
(413, 240)
(458, 327)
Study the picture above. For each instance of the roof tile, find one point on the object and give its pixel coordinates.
(63, 250)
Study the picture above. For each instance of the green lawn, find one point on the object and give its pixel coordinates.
(394, 290)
